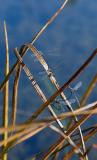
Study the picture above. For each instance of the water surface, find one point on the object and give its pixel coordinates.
(65, 45)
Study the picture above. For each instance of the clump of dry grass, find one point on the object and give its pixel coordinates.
(17, 133)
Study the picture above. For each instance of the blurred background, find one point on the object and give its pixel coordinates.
(65, 45)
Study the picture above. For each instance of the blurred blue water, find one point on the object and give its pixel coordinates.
(65, 45)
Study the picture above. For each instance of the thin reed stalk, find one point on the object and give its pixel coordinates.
(15, 94)
(88, 91)
(6, 93)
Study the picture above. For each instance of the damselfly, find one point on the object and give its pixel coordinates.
(77, 86)
(59, 104)
(48, 53)
(74, 91)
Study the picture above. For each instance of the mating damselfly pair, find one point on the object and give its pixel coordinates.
(47, 70)
(73, 98)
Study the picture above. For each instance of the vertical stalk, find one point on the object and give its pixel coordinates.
(6, 93)
(15, 94)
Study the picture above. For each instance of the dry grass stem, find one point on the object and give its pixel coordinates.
(6, 93)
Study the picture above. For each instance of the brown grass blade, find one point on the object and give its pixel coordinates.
(86, 110)
(22, 126)
(6, 92)
(34, 128)
(88, 91)
(50, 20)
(12, 128)
(23, 132)
(51, 120)
(15, 94)
(29, 134)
